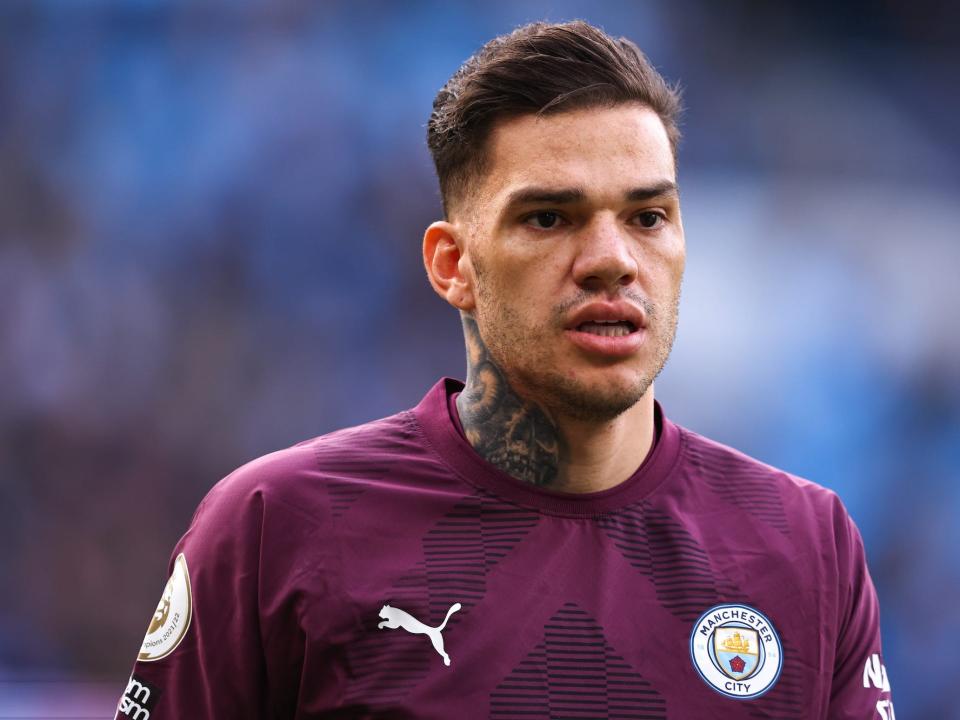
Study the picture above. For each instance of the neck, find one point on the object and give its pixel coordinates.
(525, 440)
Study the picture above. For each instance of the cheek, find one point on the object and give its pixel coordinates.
(679, 261)
(517, 328)
(678, 257)
(526, 287)
(514, 314)
(669, 263)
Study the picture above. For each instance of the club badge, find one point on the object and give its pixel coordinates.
(736, 651)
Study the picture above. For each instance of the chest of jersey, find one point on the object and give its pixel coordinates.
(491, 610)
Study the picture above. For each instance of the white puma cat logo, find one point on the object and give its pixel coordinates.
(395, 617)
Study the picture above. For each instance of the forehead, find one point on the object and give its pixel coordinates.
(602, 150)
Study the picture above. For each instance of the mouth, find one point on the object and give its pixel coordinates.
(611, 330)
(607, 328)
(608, 340)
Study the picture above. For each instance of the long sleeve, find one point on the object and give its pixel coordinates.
(225, 640)
(860, 688)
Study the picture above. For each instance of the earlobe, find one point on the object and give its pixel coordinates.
(443, 259)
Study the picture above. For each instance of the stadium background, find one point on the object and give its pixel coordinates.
(210, 217)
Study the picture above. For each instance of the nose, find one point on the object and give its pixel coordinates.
(605, 260)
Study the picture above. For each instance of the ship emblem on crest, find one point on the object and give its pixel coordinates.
(736, 651)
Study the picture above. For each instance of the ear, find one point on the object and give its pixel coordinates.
(445, 261)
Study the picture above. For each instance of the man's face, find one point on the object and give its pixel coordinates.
(575, 247)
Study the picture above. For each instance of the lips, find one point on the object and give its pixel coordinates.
(609, 313)
(611, 329)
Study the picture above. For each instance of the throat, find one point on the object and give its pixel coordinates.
(513, 435)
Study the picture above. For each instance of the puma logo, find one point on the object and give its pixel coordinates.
(395, 617)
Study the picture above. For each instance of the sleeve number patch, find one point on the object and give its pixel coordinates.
(875, 676)
(885, 710)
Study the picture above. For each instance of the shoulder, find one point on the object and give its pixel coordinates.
(302, 478)
(776, 496)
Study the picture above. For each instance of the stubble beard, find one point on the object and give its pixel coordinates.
(522, 353)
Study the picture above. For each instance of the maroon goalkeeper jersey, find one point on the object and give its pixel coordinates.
(389, 571)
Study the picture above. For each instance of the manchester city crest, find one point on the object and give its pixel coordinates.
(736, 651)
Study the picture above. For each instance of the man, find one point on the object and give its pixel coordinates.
(541, 542)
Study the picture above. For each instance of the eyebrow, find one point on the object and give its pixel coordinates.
(567, 196)
(662, 189)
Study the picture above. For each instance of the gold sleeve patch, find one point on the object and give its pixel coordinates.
(171, 620)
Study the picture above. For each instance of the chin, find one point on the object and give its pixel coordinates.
(597, 399)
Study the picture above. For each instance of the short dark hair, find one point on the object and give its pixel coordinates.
(539, 68)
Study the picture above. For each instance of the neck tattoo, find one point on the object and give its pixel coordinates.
(511, 433)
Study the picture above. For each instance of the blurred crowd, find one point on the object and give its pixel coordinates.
(210, 219)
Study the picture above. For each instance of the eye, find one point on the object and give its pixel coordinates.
(543, 220)
(650, 219)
